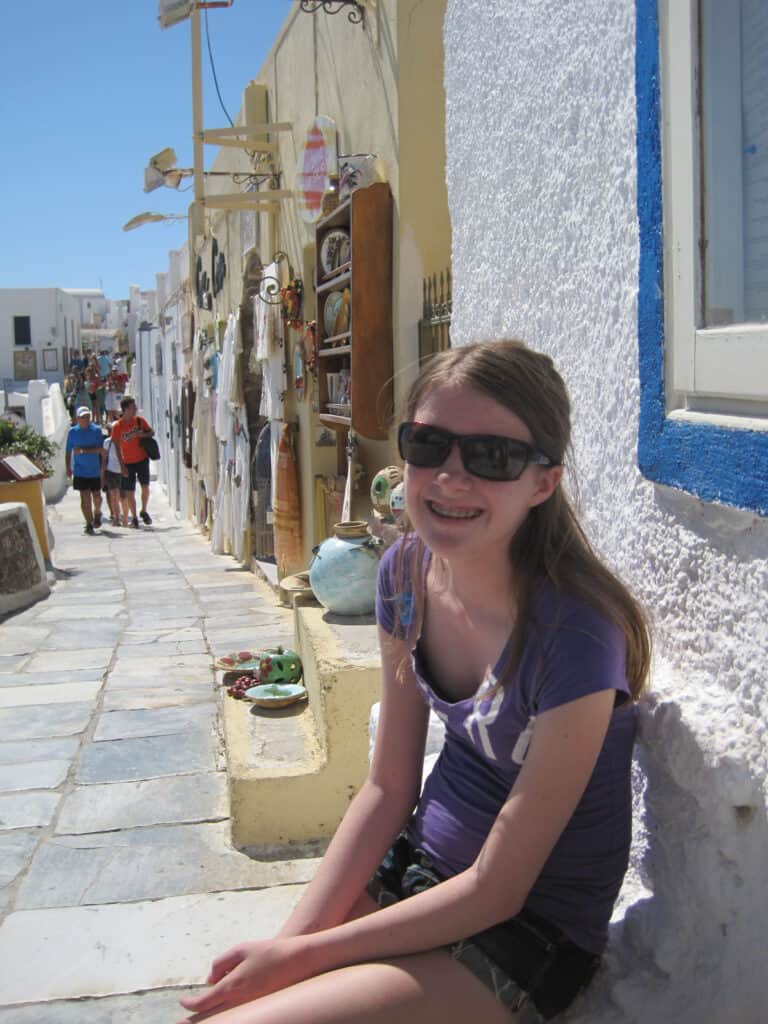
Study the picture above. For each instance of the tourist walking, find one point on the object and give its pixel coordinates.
(488, 896)
(111, 478)
(127, 433)
(83, 457)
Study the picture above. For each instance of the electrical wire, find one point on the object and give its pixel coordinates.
(213, 72)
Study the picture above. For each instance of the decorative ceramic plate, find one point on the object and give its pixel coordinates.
(275, 695)
(235, 661)
(334, 251)
(333, 304)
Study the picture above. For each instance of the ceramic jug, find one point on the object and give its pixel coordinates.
(344, 570)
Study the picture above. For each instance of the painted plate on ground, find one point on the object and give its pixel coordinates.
(275, 695)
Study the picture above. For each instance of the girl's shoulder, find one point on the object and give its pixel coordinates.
(395, 591)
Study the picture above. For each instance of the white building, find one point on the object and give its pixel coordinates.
(574, 184)
(94, 306)
(39, 327)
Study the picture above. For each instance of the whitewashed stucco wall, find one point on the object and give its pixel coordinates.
(542, 187)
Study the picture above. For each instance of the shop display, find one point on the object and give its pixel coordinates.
(354, 310)
(344, 570)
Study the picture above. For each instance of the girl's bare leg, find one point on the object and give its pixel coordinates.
(427, 988)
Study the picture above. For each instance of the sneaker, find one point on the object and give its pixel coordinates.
(89, 529)
(135, 523)
(146, 517)
(97, 519)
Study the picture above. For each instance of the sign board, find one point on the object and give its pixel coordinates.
(18, 467)
(317, 159)
(25, 364)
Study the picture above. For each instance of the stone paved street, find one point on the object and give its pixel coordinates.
(118, 880)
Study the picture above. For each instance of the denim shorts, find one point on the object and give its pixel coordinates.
(528, 964)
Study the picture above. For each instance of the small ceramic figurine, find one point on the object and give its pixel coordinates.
(381, 488)
(397, 502)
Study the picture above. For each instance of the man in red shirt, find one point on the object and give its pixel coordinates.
(127, 433)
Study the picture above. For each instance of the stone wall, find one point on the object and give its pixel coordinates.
(23, 578)
(542, 190)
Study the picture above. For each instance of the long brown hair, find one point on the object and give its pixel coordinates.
(550, 544)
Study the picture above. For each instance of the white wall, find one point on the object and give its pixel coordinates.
(48, 309)
(542, 187)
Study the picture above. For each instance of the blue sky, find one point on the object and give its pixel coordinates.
(89, 90)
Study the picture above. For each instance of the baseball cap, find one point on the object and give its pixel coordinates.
(83, 411)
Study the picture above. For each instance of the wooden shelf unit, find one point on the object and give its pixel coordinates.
(367, 348)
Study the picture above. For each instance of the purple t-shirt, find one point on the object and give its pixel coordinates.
(570, 650)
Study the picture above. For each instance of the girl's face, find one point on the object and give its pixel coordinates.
(458, 515)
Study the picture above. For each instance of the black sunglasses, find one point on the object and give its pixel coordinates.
(485, 455)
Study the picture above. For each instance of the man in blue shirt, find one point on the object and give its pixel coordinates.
(84, 453)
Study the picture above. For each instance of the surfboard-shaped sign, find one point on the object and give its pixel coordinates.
(317, 159)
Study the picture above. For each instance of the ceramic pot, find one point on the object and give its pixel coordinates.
(344, 570)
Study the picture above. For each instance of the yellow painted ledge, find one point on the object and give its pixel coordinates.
(305, 796)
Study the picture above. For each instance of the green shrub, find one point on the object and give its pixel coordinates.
(23, 440)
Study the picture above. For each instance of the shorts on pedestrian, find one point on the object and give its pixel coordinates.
(112, 481)
(136, 471)
(86, 483)
(528, 963)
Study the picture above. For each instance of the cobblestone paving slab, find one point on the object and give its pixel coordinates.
(39, 750)
(62, 661)
(15, 849)
(130, 675)
(32, 775)
(62, 693)
(67, 637)
(138, 697)
(138, 620)
(87, 675)
(148, 863)
(21, 639)
(167, 649)
(38, 722)
(138, 1008)
(74, 611)
(27, 810)
(141, 637)
(156, 722)
(126, 805)
(127, 947)
(12, 663)
(147, 757)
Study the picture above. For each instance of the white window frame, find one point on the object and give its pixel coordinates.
(716, 374)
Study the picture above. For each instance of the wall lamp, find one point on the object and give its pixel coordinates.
(162, 170)
(150, 218)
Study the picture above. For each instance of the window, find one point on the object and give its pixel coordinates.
(702, 130)
(22, 330)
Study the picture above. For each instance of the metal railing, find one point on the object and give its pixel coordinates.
(435, 323)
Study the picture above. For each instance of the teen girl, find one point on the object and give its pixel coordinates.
(492, 897)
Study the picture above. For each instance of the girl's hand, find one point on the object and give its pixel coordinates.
(248, 971)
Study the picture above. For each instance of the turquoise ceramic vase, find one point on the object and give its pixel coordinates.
(344, 570)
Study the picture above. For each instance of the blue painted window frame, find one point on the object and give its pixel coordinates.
(712, 462)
